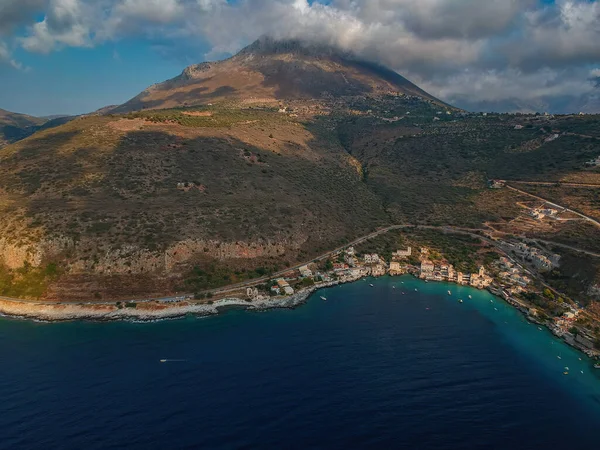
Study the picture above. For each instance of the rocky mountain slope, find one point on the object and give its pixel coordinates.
(270, 71)
(241, 167)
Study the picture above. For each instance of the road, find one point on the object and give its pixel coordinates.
(554, 183)
(583, 216)
(473, 232)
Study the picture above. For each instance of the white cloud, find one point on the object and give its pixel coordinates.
(493, 47)
(6, 57)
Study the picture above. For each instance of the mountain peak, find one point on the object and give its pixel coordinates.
(270, 71)
(267, 46)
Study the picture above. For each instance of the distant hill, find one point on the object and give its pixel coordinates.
(14, 126)
(272, 71)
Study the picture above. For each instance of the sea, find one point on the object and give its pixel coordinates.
(397, 365)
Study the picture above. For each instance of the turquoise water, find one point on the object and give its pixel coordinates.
(368, 368)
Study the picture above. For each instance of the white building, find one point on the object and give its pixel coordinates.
(305, 272)
(399, 254)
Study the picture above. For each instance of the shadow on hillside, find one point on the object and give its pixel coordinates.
(296, 79)
(193, 96)
(154, 189)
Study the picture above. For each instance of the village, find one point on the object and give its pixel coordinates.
(509, 277)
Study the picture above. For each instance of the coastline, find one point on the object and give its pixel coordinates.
(149, 312)
(145, 312)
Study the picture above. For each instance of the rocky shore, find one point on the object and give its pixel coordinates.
(148, 311)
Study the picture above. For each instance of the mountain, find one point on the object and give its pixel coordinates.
(238, 168)
(14, 127)
(269, 71)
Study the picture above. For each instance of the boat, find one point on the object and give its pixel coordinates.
(567, 369)
(460, 300)
(597, 366)
(565, 373)
(449, 293)
(163, 360)
(416, 289)
(470, 296)
(540, 328)
(582, 371)
(495, 309)
(393, 287)
(323, 298)
(371, 285)
(559, 357)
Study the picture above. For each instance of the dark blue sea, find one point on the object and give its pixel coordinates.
(368, 368)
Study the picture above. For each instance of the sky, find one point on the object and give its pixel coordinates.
(75, 56)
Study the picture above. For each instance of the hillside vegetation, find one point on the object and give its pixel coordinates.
(200, 183)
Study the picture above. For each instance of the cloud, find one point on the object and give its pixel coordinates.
(492, 48)
(14, 13)
(66, 23)
(6, 57)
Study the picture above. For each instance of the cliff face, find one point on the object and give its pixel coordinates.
(131, 259)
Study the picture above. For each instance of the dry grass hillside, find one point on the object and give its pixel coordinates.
(271, 71)
(239, 168)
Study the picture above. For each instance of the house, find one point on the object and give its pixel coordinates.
(339, 266)
(372, 259)
(350, 260)
(283, 285)
(305, 272)
(427, 268)
(480, 279)
(396, 268)
(399, 254)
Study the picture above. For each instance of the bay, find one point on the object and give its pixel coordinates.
(371, 367)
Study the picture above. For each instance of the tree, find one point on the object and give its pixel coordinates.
(574, 331)
(548, 294)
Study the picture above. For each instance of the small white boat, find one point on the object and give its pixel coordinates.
(323, 298)
(393, 287)
(566, 368)
(470, 296)
(540, 328)
(491, 301)
(582, 371)
(597, 366)
(495, 309)
(449, 293)
(163, 360)
(460, 300)
(371, 285)
(416, 289)
(559, 357)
